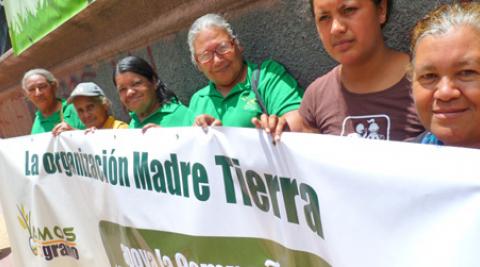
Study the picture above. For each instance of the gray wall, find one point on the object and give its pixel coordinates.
(282, 29)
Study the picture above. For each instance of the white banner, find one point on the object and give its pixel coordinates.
(229, 197)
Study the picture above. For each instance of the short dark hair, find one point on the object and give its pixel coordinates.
(141, 67)
(376, 2)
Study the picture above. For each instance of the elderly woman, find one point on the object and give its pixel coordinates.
(92, 107)
(145, 95)
(40, 86)
(239, 92)
(446, 85)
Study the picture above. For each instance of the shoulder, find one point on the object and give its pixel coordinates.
(328, 81)
(118, 124)
(417, 139)
(272, 67)
(425, 138)
(271, 64)
(202, 92)
(175, 107)
(67, 108)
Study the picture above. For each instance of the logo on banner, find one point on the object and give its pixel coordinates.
(48, 242)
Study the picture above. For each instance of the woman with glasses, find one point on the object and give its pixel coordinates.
(145, 95)
(446, 86)
(40, 86)
(229, 99)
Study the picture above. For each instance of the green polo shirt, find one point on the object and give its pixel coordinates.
(172, 114)
(279, 90)
(43, 124)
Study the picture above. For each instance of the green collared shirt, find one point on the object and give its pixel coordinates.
(279, 90)
(68, 114)
(171, 114)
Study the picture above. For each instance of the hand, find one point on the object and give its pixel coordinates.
(90, 130)
(61, 127)
(149, 126)
(271, 124)
(206, 120)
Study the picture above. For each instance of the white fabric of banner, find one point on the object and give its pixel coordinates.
(380, 203)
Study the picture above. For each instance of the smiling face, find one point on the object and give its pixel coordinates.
(91, 111)
(136, 92)
(224, 69)
(40, 92)
(446, 85)
(350, 30)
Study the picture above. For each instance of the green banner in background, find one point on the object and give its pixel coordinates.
(31, 20)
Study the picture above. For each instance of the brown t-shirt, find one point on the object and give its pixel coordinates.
(387, 115)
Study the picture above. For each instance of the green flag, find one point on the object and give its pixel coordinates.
(31, 20)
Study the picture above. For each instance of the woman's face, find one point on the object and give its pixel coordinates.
(446, 85)
(226, 62)
(90, 111)
(350, 30)
(40, 92)
(136, 92)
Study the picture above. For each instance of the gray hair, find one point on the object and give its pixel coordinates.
(104, 101)
(204, 22)
(445, 18)
(42, 72)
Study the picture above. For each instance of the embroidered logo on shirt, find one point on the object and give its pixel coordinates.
(250, 103)
(370, 127)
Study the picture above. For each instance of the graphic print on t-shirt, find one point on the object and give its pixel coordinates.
(369, 127)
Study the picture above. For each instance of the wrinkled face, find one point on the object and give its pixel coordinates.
(446, 85)
(226, 65)
(350, 30)
(40, 92)
(136, 92)
(91, 112)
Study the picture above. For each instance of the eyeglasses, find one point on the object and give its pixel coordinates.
(222, 49)
(41, 87)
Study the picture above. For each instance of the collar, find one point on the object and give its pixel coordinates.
(43, 118)
(108, 123)
(429, 138)
(166, 108)
(239, 87)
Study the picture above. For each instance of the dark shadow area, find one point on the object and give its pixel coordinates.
(5, 252)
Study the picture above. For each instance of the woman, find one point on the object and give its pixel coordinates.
(145, 95)
(40, 86)
(229, 98)
(367, 95)
(446, 86)
(92, 107)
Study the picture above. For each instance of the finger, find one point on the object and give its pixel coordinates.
(57, 129)
(201, 121)
(272, 123)
(264, 122)
(279, 129)
(256, 122)
(148, 126)
(216, 123)
(90, 130)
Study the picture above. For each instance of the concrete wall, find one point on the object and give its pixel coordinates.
(280, 29)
